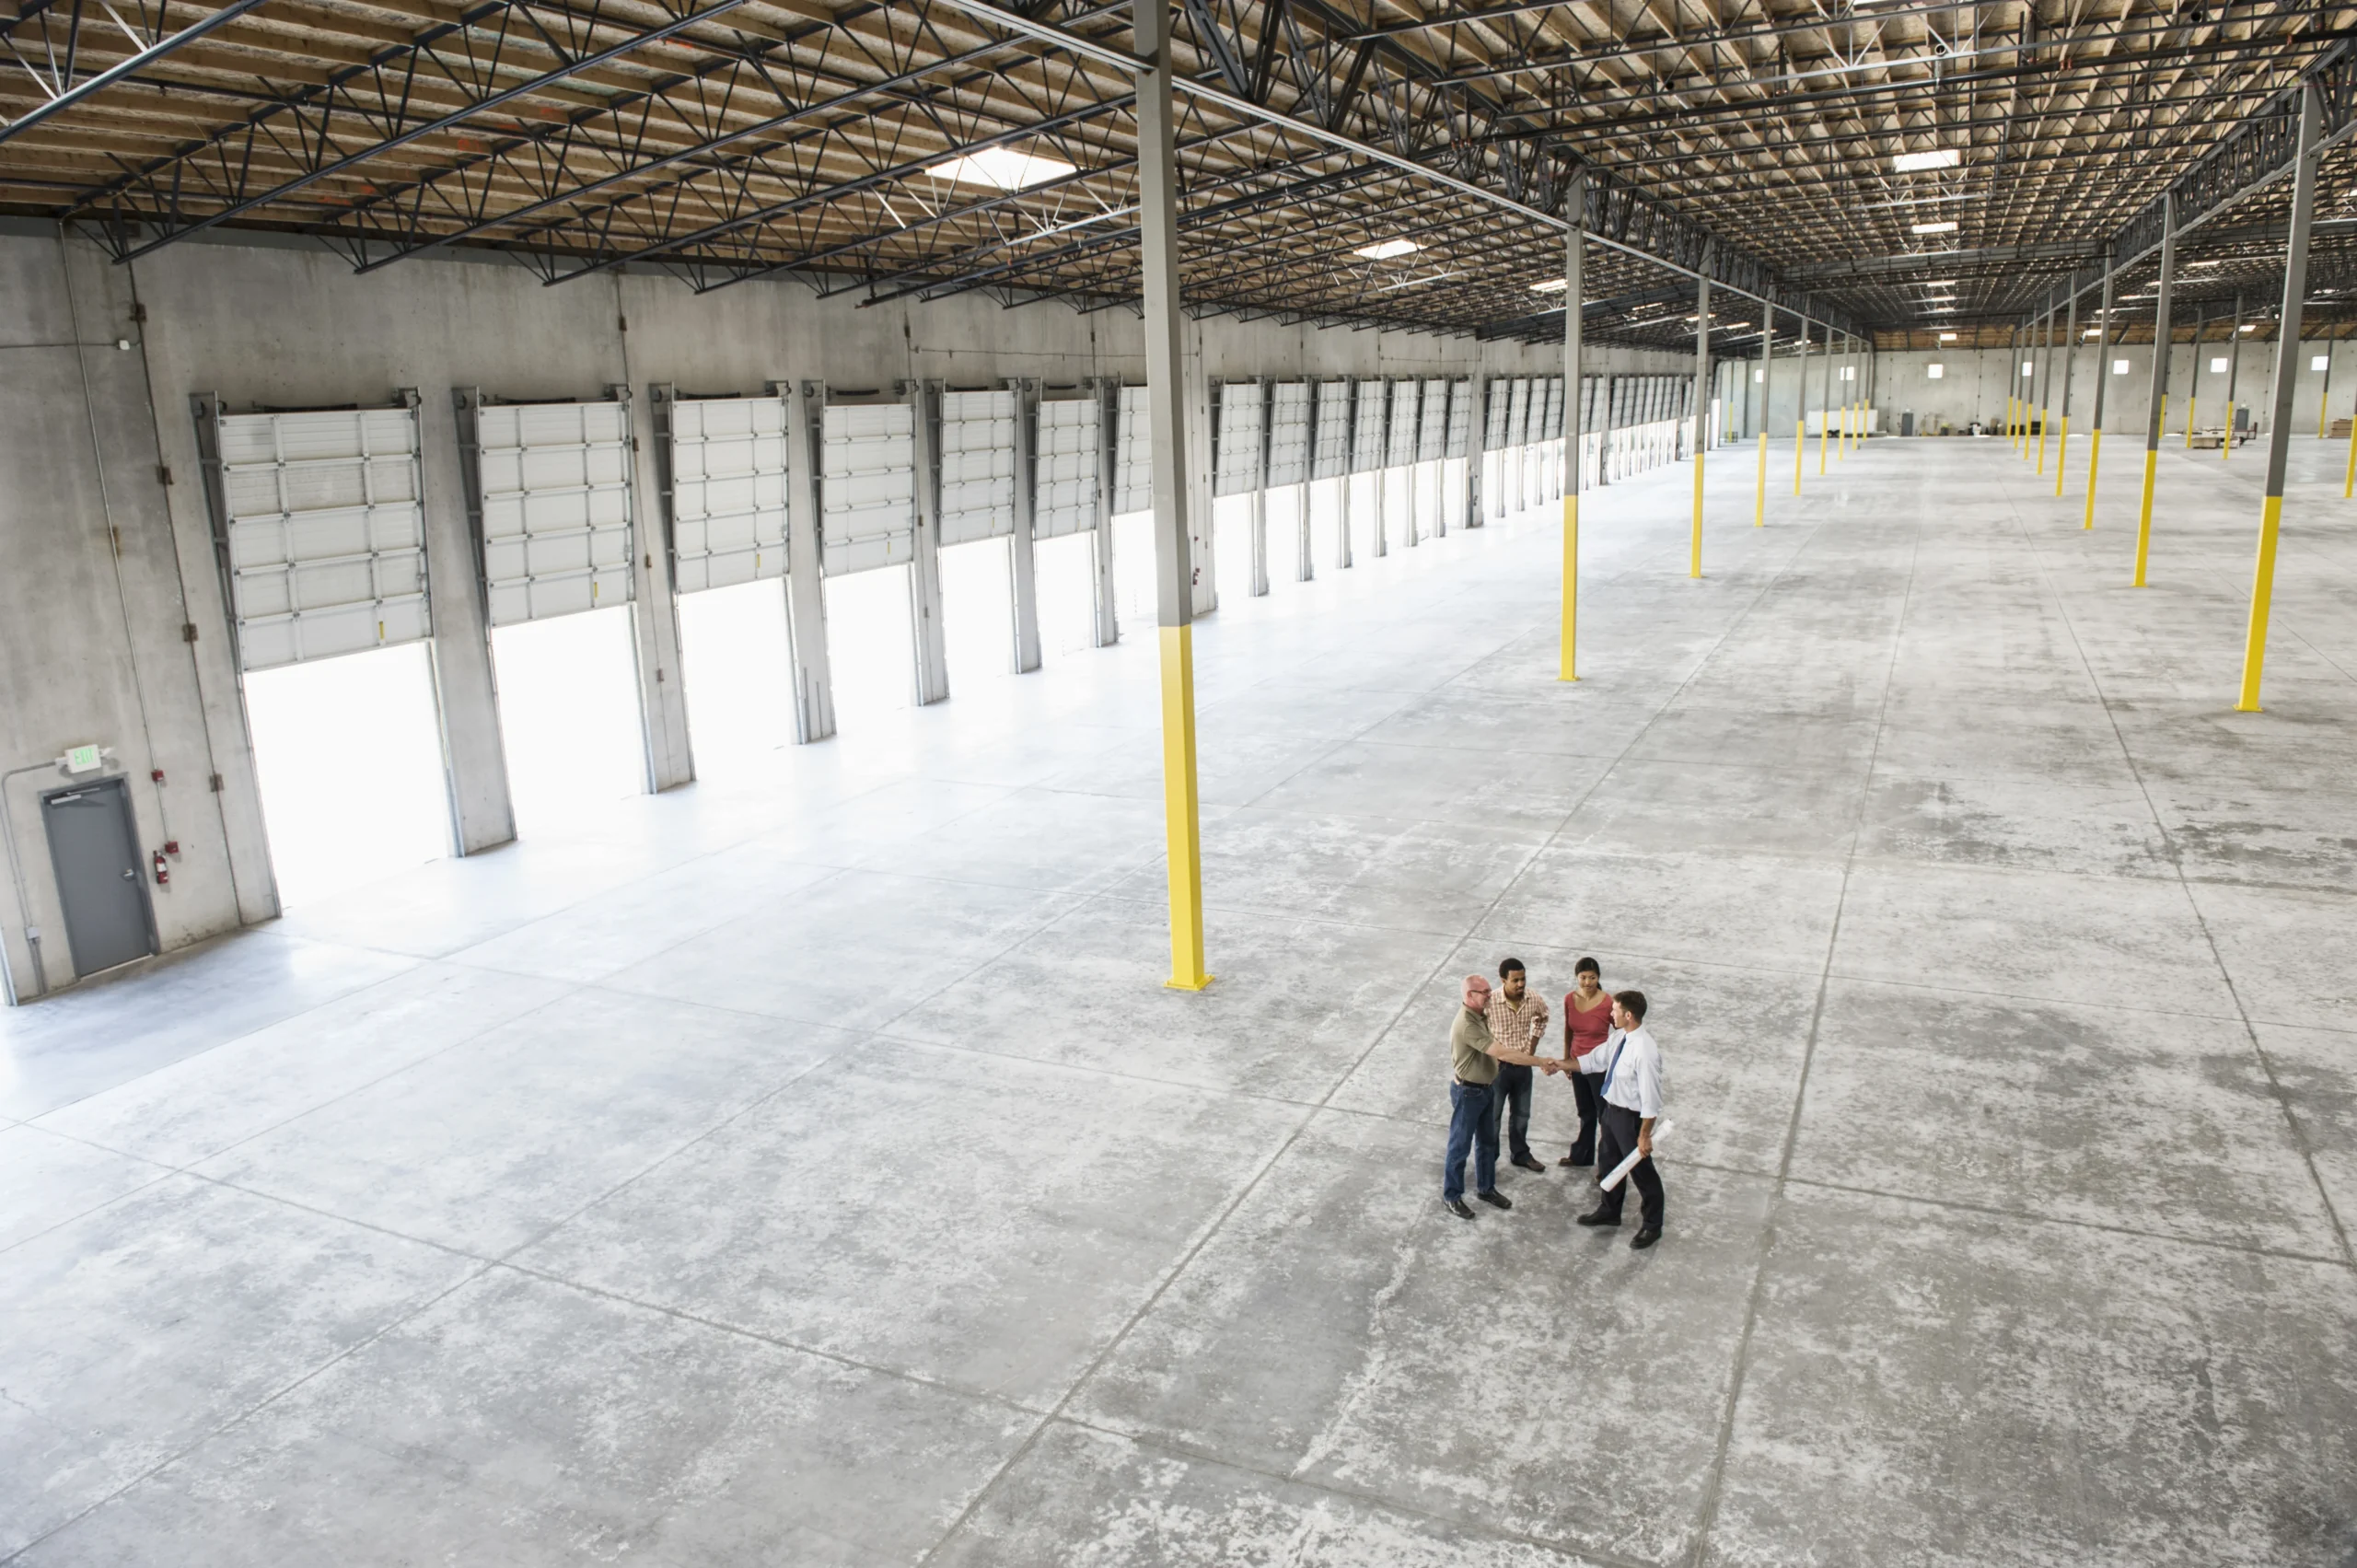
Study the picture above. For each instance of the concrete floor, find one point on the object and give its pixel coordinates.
(814, 1171)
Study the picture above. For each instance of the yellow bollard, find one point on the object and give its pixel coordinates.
(2348, 480)
(1759, 501)
(1800, 451)
(1824, 428)
(2192, 401)
(2144, 519)
(2042, 417)
(1569, 669)
(2323, 425)
(2061, 450)
(2262, 596)
(2095, 454)
(1696, 569)
(2227, 442)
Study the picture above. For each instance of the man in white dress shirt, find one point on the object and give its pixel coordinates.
(1631, 1095)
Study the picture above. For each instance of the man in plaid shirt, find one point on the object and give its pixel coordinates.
(1516, 1019)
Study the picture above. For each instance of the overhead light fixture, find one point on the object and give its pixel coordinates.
(1938, 157)
(1938, 308)
(1004, 168)
(1937, 283)
(1945, 226)
(1947, 337)
(2248, 327)
(2092, 332)
(2205, 264)
(1552, 285)
(1383, 250)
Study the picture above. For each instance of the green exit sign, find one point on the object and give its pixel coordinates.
(81, 759)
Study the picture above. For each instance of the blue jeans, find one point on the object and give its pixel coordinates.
(1471, 1123)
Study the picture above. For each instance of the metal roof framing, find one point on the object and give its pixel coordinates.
(1750, 141)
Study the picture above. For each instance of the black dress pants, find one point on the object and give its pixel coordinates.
(1584, 1094)
(1512, 1097)
(1615, 1143)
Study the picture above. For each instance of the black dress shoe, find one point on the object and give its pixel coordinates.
(1457, 1207)
(1643, 1239)
(1597, 1217)
(1568, 1163)
(1527, 1163)
(1495, 1199)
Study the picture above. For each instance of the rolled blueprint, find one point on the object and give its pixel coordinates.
(1620, 1173)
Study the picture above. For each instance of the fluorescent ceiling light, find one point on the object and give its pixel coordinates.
(1383, 250)
(2205, 264)
(1945, 226)
(2092, 332)
(1937, 308)
(1947, 337)
(1004, 168)
(2250, 327)
(1938, 283)
(1552, 285)
(1938, 157)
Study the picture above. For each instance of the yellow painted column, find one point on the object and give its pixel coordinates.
(2226, 441)
(1823, 431)
(2095, 455)
(1568, 664)
(2262, 599)
(2192, 402)
(1695, 569)
(2062, 450)
(2144, 517)
(1759, 501)
(1183, 835)
(2348, 480)
(2044, 415)
(2324, 421)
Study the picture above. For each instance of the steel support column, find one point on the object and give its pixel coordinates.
(2233, 372)
(2279, 425)
(924, 569)
(806, 599)
(1026, 496)
(1107, 393)
(1800, 409)
(1174, 572)
(2159, 408)
(2070, 358)
(1575, 294)
(1701, 413)
(2103, 379)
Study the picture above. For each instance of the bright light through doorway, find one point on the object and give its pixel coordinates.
(740, 676)
(349, 755)
(870, 645)
(568, 712)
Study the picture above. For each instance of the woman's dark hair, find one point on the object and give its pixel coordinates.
(1587, 966)
(1634, 1001)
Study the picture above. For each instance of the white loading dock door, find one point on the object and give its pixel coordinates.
(1368, 430)
(728, 489)
(1333, 450)
(1494, 424)
(1432, 427)
(1550, 423)
(1407, 414)
(326, 535)
(977, 466)
(1065, 482)
(869, 500)
(1288, 434)
(1236, 469)
(1460, 419)
(556, 515)
(1518, 413)
(1132, 455)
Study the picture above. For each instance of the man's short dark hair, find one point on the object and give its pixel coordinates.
(1587, 966)
(1634, 1001)
(1507, 967)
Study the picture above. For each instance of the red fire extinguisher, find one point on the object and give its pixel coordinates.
(163, 872)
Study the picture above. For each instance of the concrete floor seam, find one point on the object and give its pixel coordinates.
(2274, 1081)
(1707, 1518)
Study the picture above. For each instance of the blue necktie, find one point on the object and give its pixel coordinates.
(1612, 1066)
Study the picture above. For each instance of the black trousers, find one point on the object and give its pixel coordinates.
(1513, 1097)
(1585, 1098)
(1615, 1143)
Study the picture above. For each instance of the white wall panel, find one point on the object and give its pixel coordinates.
(869, 500)
(978, 433)
(327, 538)
(1066, 481)
(728, 489)
(556, 512)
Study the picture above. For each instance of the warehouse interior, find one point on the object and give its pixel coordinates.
(753, 748)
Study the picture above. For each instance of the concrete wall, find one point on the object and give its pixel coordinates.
(1974, 384)
(107, 564)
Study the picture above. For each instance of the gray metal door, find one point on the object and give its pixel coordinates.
(96, 861)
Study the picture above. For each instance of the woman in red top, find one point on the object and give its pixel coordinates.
(1587, 1019)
